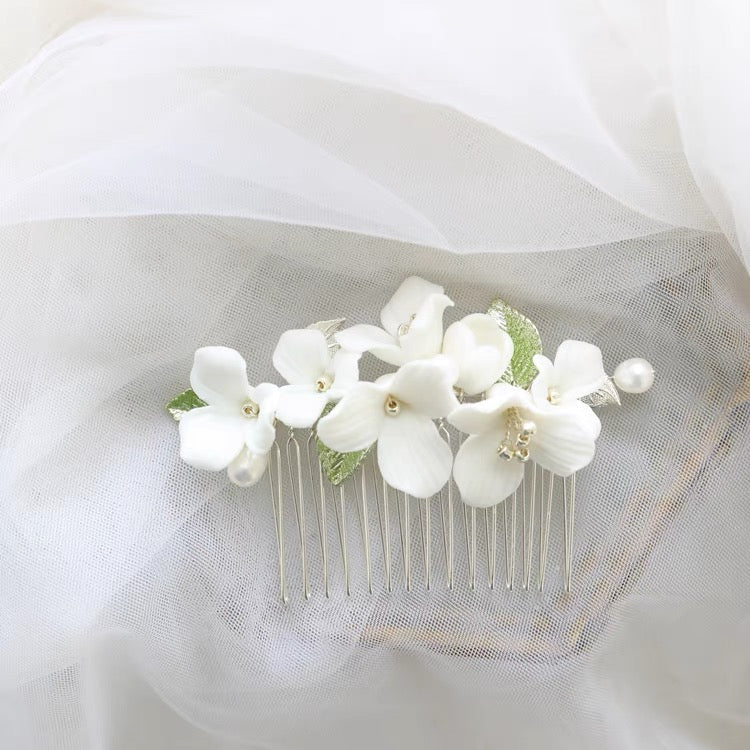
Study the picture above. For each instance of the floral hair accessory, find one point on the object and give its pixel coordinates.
(412, 325)
(396, 413)
(225, 423)
(476, 408)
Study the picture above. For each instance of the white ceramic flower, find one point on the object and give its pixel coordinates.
(397, 412)
(508, 429)
(236, 430)
(577, 372)
(315, 375)
(481, 350)
(412, 325)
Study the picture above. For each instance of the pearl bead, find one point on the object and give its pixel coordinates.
(247, 468)
(634, 375)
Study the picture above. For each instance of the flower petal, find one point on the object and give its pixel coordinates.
(487, 332)
(487, 415)
(260, 433)
(477, 418)
(412, 456)
(589, 416)
(354, 423)
(407, 301)
(425, 335)
(483, 478)
(301, 356)
(300, 405)
(266, 395)
(576, 410)
(579, 370)
(481, 349)
(458, 341)
(491, 357)
(426, 385)
(510, 395)
(367, 338)
(480, 370)
(219, 376)
(385, 381)
(565, 437)
(542, 382)
(345, 371)
(209, 438)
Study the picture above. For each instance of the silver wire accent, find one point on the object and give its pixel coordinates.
(361, 500)
(510, 539)
(545, 516)
(473, 516)
(493, 547)
(319, 500)
(487, 545)
(423, 509)
(528, 529)
(405, 530)
(569, 501)
(446, 516)
(340, 509)
(295, 480)
(384, 523)
(277, 503)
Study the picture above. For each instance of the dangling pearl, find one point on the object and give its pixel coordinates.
(634, 375)
(247, 468)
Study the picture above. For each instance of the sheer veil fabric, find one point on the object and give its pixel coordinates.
(177, 174)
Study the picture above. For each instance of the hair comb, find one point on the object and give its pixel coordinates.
(473, 422)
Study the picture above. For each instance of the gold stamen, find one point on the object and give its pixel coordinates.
(250, 409)
(392, 406)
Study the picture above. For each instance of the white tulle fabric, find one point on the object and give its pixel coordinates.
(182, 174)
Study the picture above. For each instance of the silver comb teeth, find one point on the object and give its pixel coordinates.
(295, 473)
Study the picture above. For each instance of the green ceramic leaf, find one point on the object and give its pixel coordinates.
(338, 466)
(526, 343)
(186, 401)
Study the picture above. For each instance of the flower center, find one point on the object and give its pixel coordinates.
(250, 409)
(553, 395)
(517, 436)
(391, 406)
(403, 329)
(323, 383)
